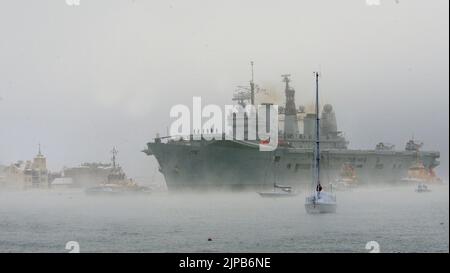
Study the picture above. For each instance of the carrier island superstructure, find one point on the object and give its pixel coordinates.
(199, 164)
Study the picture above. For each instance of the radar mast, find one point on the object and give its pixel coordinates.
(114, 153)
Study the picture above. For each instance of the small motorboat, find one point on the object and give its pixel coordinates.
(422, 188)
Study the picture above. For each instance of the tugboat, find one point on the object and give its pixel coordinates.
(118, 183)
(347, 179)
(319, 201)
(418, 173)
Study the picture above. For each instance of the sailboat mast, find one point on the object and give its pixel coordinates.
(252, 88)
(317, 131)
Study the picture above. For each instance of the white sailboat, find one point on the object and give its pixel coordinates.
(284, 191)
(319, 201)
(279, 190)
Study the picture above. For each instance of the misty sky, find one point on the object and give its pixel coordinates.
(81, 79)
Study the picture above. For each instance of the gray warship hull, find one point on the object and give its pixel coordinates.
(239, 165)
(192, 162)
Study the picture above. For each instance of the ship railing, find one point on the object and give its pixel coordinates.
(191, 137)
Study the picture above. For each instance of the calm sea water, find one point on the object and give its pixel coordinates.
(399, 219)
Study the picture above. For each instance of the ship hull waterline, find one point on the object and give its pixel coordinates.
(225, 164)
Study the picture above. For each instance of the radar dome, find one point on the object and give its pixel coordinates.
(327, 108)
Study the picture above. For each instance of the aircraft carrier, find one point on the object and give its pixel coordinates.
(190, 163)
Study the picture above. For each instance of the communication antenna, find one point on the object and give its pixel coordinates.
(114, 153)
(251, 63)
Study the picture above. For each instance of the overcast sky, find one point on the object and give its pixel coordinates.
(81, 79)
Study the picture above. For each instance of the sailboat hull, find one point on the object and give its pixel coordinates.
(323, 202)
(318, 208)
